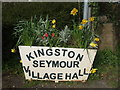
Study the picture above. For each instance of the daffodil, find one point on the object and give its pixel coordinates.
(92, 18)
(80, 27)
(93, 44)
(53, 21)
(84, 21)
(13, 50)
(74, 11)
(93, 70)
(53, 26)
(97, 39)
(20, 61)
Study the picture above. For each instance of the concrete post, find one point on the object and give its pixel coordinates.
(85, 12)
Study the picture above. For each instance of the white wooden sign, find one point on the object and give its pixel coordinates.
(56, 63)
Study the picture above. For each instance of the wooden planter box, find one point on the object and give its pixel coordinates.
(56, 63)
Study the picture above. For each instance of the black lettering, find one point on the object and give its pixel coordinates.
(46, 76)
(38, 74)
(71, 54)
(26, 70)
(40, 52)
(42, 63)
(35, 63)
(33, 76)
(68, 76)
(75, 76)
(80, 73)
(35, 53)
(69, 65)
(55, 63)
(29, 73)
(60, 76)
(57, 52)
(29, 56)
(76, 64)
(53, 76)
(48, 63)
(85, 72)
(62, 64)
(79, 57)
(64, 50)
(49, 52)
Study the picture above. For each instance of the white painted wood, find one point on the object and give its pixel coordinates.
(85, 63)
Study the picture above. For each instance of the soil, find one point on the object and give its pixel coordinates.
(16, 81)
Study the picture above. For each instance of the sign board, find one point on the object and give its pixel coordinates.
(56, 63)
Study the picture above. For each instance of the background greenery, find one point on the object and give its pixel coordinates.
(13, 12)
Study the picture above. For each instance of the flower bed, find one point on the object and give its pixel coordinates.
(39, 35)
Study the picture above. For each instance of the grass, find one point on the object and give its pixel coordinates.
(29, 84)
(13, 65)
(106, 62)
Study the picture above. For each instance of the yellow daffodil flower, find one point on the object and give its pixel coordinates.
(93, 70)
(80, 27)
(20, 61)
(13, 50)
(97, 39)
(93, 44)
(84, 21)
(74, 11)
(53, 21)
(92, 18)
(53, 26)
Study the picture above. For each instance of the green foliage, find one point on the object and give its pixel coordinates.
(45, 33)
(13, 66)
(95, 8)
(82, 38)
(29, 84)
(25, 31)
(106, 62)
(65, 35)
(106, 57)
(40, 32)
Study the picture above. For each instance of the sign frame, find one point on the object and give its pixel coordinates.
(76, 56)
